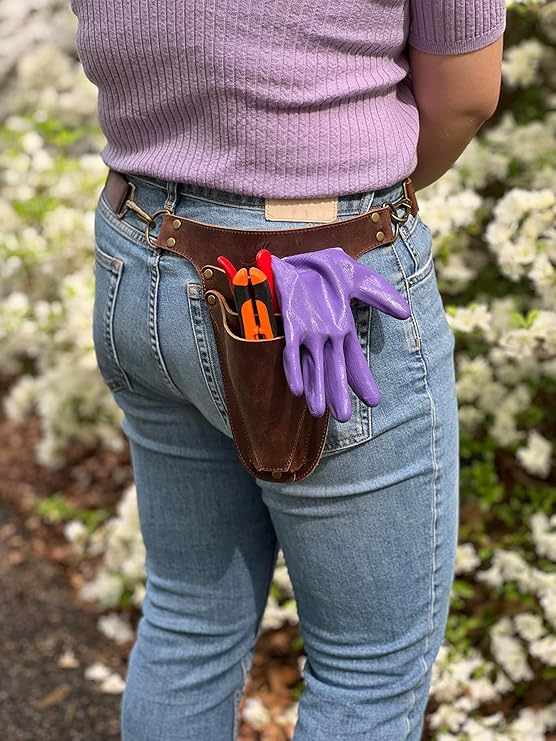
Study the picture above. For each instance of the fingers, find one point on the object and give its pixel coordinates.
(335, 380)
(372, 288)
(292, 368)
(313, 377)
(359, 374)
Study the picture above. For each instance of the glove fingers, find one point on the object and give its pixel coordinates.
(335, 380)
(372, 288)
(359, 374)
(292, 368)
(313, 378)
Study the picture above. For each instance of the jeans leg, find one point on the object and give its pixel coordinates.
(369, 541)
(371, 571)
(210, 554)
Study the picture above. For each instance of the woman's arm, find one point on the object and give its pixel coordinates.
(455, 95)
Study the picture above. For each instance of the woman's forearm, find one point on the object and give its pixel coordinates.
(442, 138)
(455, 95)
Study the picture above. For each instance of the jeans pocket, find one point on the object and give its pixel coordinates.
(413, 250)
(358, 428)
(108, 274)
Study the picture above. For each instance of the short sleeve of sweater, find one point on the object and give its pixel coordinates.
(455, 26)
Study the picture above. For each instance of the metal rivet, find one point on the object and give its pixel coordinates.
(375, 217)
(207, 273)
(211, 299)
(277, 475)
(176, 223)
(380, 236)
(170, 242)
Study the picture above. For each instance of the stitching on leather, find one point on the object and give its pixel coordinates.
(242, 436)
(320, 227)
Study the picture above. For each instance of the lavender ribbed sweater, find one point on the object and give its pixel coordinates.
(273, 98)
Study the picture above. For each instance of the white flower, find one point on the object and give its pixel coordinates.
(519, 343)
(282, 579)
(467, 319)
(97, 672)
(529, 626)
(544, 535)
(521, 63)
(105, 588)
(509, 652)
(114, 627)
(113, 684)
(447, 716)
(68, 660)
(467, 559)
(255, 714)
(76, 532)
(529, 725)
(536, 456)
(547, 599)
(544, 649)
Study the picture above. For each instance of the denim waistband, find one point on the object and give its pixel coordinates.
(170, 192)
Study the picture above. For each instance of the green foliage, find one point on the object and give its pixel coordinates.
(56, 509)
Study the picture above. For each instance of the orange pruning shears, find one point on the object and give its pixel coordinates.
(254, 296)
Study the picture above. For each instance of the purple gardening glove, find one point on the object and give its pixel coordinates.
(322, 354)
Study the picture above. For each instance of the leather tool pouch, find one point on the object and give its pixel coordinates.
(275, 435)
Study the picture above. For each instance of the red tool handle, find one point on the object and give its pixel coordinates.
(264, 263)
(228, 268)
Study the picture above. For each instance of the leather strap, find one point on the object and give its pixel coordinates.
(202, 243)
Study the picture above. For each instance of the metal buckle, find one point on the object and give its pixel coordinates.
(130, 203)
(148, 225)
(125, 207)
(404, 203)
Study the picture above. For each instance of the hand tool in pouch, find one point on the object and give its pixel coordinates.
(253, 300)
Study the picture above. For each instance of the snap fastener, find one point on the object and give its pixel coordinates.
(170, 242)
(375, 217)
(211, 299)
(207, 273)
(176, 223)
(277, 475)
(380, 236)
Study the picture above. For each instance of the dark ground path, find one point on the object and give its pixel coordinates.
(40, 618)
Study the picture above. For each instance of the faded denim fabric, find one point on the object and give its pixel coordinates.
(369, 538)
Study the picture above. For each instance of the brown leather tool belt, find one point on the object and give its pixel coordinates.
(276, 437)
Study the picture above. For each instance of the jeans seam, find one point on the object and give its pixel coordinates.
(434, 484)
(108, 320)
(153, 325)
(202, 346)
(416, 334)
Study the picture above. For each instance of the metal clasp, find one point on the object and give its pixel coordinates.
(147, 218)
(398, 219)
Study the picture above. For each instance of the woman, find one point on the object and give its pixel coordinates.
(277, 116)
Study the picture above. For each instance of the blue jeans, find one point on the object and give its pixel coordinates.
(369, 537)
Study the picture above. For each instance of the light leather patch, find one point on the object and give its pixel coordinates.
(301, 209)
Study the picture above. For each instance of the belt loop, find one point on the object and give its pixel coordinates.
(366, 202)
(172, 196)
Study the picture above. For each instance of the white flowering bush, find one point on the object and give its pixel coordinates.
(493, 222)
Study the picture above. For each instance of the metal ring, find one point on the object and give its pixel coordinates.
(148, 225)
(395, 218)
